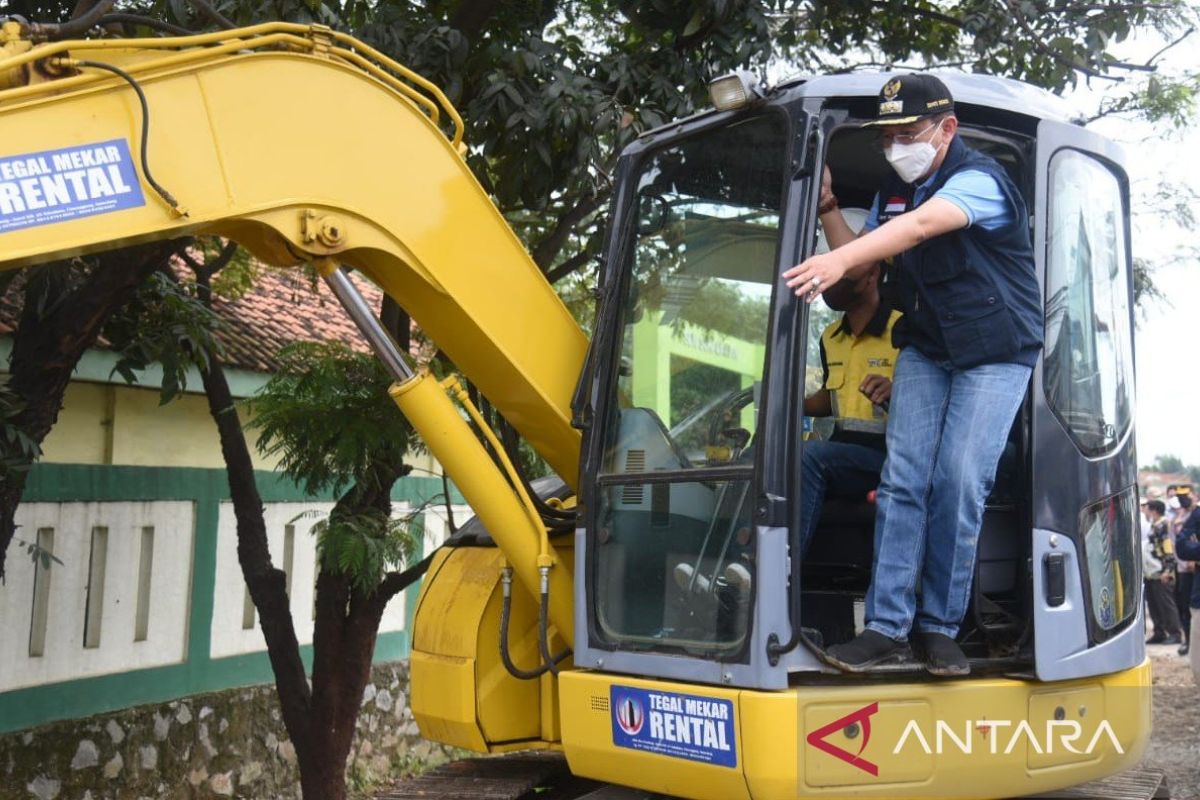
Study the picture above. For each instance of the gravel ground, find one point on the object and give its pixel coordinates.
(1175, 744)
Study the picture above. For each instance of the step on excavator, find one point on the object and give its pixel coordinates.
(642, 615)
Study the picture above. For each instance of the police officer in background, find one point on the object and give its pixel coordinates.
(970, 335)
(857, 358)
(1187, 545)
(1158, 570)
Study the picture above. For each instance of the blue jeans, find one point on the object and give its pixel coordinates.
(946, 431)
(836, 469)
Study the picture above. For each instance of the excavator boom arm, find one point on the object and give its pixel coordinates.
(300, 143)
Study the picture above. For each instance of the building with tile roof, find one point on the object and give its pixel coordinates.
(106, 421)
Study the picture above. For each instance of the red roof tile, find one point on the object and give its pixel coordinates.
(283, 307)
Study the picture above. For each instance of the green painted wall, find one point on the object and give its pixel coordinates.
(207, 488)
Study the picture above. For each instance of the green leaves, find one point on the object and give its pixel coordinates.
(18, 450)
(37, 553)
(365, 546)
(327, 416)
(166, 324)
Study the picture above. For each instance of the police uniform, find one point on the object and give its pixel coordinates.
(848, 464)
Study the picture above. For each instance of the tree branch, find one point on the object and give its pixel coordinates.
(1036, 40)
(548, 248)
(567, 267)
(1185, 35)
(1129, 66)
(1107, 112)
(922, 12)
(205, 271)
(395, 582)
(1083, 8)
(206, 9)
(266, 583)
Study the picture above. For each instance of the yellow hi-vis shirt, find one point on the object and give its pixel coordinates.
(847, 360)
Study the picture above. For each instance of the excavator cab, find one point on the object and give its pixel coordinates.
(686, 555)
(702, 356)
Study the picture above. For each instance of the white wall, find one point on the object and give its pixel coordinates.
(64, 656)
(229, 635)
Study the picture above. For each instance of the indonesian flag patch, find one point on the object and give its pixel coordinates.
(895, 205)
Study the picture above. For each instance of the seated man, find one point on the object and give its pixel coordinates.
(857, 357)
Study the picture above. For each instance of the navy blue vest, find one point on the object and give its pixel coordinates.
(970, 296)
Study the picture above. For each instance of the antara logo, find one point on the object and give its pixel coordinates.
(1061, 733)
(861, 718)
(1000, 736)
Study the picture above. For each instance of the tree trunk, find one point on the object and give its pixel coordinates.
(343, 650)
(344, 637)
(267, 585)
(48, 345)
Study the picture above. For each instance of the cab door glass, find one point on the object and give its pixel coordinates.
(1088, 357)
(696, 311)
(674, 546)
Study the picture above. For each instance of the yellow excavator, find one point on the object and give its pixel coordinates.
(646, 613)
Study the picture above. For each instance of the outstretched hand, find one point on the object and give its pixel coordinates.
(815, 274)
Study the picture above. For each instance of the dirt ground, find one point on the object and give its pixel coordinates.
(1175, 744)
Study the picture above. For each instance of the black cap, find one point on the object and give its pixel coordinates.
(908, 98)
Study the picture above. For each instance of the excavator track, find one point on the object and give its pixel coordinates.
(513, 777)
(544, 776)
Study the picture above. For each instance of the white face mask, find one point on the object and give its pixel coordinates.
(912, 161)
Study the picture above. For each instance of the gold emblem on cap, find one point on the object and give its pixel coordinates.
(891, 88)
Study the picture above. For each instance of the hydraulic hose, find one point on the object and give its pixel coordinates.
(549, 513)
(145, 143)
(544, 625)
(74, 27)
(550, 665)
(556, 520)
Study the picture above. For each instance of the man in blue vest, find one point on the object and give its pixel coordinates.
(964, 277)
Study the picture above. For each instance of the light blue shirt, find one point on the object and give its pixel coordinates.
(976, 193)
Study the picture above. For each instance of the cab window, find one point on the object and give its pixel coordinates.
(1089, 348)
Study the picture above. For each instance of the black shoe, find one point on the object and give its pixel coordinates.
(1157, 638)
(868, 649)
(1184, 648)
(942, 654)
(1174, 638)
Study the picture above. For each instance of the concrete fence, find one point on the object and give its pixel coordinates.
(146, 601)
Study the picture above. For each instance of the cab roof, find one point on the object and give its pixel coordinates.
(979, 90)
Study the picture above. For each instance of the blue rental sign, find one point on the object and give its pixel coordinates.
(679, 725)
(60, 185)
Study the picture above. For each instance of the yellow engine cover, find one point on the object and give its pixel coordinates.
(978, 738)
